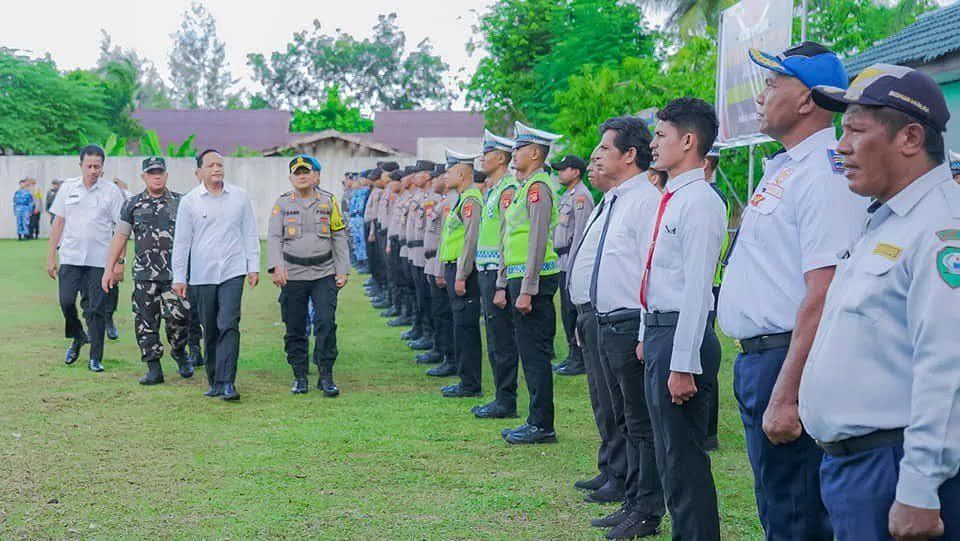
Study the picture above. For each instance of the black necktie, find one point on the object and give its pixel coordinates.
(596, 259)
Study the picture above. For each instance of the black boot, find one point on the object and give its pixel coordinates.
(154, 374)
(300, 386)
(326, 383)
(184, 366)
(412, 334)
(111, 329)
(391, 311)
(95, 365)
(196, 356)
(445, 369)
(423, 344)
(635, 525)
(431, 357)
(494, 410)
(230, 392)
(215, 390)
(591, 484)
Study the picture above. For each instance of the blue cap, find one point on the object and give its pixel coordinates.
(303, 160)
(811, 63)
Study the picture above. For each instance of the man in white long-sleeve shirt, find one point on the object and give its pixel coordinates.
(217, 235)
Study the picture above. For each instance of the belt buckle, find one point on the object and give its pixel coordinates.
(740, 346)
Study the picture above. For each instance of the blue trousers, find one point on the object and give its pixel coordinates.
(23, 221)
(359, 243)
(786, 478)
(859, 489)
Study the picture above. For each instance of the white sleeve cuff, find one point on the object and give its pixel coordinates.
(917, 489)
(685, 361)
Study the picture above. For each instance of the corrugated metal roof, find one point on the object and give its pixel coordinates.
(224, 130)
(932, 36)
(401, 129)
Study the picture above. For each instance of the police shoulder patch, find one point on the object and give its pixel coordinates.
(948, 266)
(468, 210)
(580, 201)
(533, 195)
(276, 210)
(948, 234)
(836, 161)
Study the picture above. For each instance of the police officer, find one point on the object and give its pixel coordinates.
(445, 197)
(879, 391)
(575, 207)
(397, 249)
(308, 255)
(501, 342)
(797, 222)
(384, 216)
(151, 218)
(419, 334)
(457, 253)
(529, 269)
(378, 289)
(955, 166)
(358, 207)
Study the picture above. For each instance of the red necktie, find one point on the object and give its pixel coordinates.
(653, 244)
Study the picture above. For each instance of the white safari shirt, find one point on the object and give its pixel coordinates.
(90, 217)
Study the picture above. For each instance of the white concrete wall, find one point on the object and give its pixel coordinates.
(263, 178)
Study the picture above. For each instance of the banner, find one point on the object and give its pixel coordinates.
(760, 24)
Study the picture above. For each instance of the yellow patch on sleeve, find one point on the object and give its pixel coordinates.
(276, 210)
(336, 218)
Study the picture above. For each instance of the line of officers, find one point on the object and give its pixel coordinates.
(849, 393)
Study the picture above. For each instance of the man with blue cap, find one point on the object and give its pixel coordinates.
(798, 221)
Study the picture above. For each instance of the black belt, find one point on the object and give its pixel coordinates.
(618, 316)
(562, 251)
(584, 308)
(307, 261)
(860, 444)
(661, 319)
(429, 253)
(765, 342)
(402, 242)
(415, 244)
(394, 238)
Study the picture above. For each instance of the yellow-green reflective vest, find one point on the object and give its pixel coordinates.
(516, 236)
(488, 243)
(452, 236)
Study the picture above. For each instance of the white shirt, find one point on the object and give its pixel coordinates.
(684, 262)
(886, 353)
(90, 216)
(801, 218)
(581, 270)
(218, 234)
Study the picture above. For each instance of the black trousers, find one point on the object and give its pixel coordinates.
(623, 373)
(397, 275)
(195, 331)
(220, 316)
(295, 297)
(715, 395)
(535, 333)
(111, 302)
(568, 316)
(373, 257)
(501, 341)
(35, 225)
(611, 455)
(468, 346)
(74, 279)
(442, 319)
(423, 314)
(409, 290)
(679, 433)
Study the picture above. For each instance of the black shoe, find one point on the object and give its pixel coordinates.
(95, 365)
(422, 344)
(528, 434)
(634, 526)
(369, 282)
(412, 334)
(154, 375)
(610, 492)
(559, 365)
(195, 357)
(380, 304)
(612, 519)
(300, 386)
(73, 352)
(712, 443)
(493, 410)
(591, 484)
(572, 369)
(443, 370)
(215, 390)
(112, 332)
(326, 383)
(430, 357)
(459, 391)
(400, 322)
(230, 392)
(391, 311)
(184, 366)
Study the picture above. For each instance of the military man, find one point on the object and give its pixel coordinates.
(575, 207)
(529, 273)
(151, 218)
(446, 199)
(307, 254)
(879, 390)
(501, 342)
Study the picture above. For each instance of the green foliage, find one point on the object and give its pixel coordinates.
(244, 152)
(185, 149)
(116, 146)
(150, 144)
(334, 113)
(850, 27)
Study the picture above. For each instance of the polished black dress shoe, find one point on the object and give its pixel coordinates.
(443, 370)
(327, 385)
(528, 434)
(215, 390)
(380, 303)
(610, 492)
(572, 369)
(493, 410)
(391, 311)
(559, 365)
(230, 392)
(95, 365)
(422, 344)
(611, 520)
(712, 443)
(412, 334)
(400, 322)
(459, 391)
(154, 375)
(112, 332)
(430, 357)
(73, 352)
(369, 282)
(635, 525)
(591, 484)
(300, 386)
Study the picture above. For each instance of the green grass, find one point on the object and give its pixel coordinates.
(86, 455)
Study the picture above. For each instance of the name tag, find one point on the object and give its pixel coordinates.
(888, 251)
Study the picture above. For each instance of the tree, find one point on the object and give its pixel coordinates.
(150, 91)
(198, 65)
(335, 113)
(375, 73)
(116, 83)
(850, 27)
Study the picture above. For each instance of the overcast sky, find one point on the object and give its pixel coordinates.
(70, 31)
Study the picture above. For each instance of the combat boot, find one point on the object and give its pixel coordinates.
(154, 374)
(184, 366)
(326, 383)
(300, 386)
(196, 356)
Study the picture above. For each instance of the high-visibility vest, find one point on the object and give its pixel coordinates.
(488, 243)
(517, 233)
(453, 235)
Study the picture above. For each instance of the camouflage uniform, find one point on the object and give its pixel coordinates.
(151, 222)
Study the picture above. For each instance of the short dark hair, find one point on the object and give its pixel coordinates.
(894, 121)
(661, 177)
(631, 132)
(93, 150)
(693, 115)
(204, 153)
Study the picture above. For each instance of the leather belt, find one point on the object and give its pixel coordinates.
(860, 444)
(403, 242)
(661, 319)
(429, 254)
(584, 308)
(307, 261)
(765, 342)
(394, 238)
(618, 316)
(415, 244)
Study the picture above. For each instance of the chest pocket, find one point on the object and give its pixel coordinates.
(870, 286)
(322, 220)
(668, 253)
(292, 226)
(566, 211)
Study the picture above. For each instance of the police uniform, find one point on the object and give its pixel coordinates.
(387, 203)
(439, 299)
(308, 237)
(23, 205)
(501, 342)
(358, 207)
(398, 249)
(575, 207)
(528, 265)
(417, 228)
(457, 253)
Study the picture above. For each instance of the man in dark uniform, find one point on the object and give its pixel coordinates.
(308, 255)
(151, 217)
(446, 199)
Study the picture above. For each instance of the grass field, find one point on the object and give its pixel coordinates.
(97, 456)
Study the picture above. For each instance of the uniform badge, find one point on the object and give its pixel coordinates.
(291, 231)
(468, 211)
(504, 201)
(533, 196)
(324, 229)
(948, 265)
(888, 251)
(836, 161)
(580, 201)
(276, 210)
(948, 234)
(756, 199)
(323, 206)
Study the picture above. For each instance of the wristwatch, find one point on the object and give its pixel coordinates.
(121, 261)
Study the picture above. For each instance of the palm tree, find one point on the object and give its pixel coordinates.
(687, 16)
